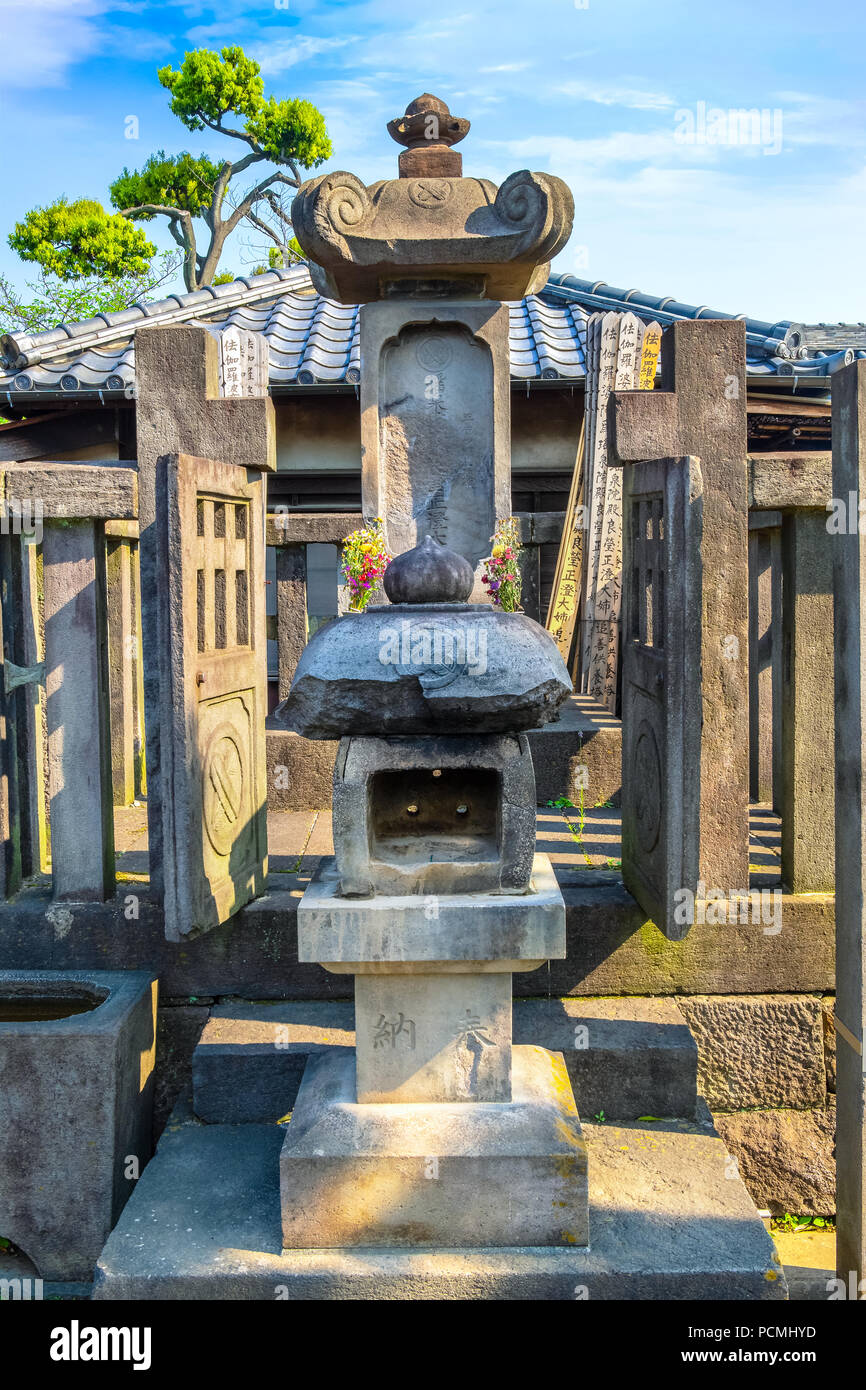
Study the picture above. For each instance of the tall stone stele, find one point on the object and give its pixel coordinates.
(434, 1131)
(429, 255)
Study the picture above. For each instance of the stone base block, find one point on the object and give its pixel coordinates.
(433, 1038)
(506, 931)
(625, 1057)
(786, 1157)
(454, 1175)
(667, 1223)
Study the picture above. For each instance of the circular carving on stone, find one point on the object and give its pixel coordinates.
(435, 649)
(223, 784)
(647, 781)
(434, 353)
(429, 193)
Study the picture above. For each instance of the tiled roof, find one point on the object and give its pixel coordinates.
(313, 341)
(767, 352)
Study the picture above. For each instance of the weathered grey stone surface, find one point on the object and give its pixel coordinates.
(410, 669)
(461, 928)
(785, 1157)
(828, 1010)
(666, 1224)
(849, 580)
(75, 1105)
(300, 770)
(433, 1038)
(615, 951)
(436, 423)
(309, 528)
(179, 409)
(612, 949)
(662, 642)
(781, 482)
(178, 1030)
(77, 712)
(122, 636)
(292, 623)
(248, 1065)
(704, 370)
(450, 1175)
(212, 695)
(758, 1051)
(765, 659)
(72, 491)
(806, 802)
(627, 1057)
(578, 753)
(434, 815)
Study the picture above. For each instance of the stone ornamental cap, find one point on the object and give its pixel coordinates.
(431, 573)
(428, 130)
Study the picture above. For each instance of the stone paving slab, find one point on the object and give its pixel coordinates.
(809, 1261)
(665, 1223)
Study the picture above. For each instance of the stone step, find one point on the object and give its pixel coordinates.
(626, 1057)
(667, 1220)
(582, 749)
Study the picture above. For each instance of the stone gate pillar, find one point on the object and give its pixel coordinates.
(701, 411)
(179, 410)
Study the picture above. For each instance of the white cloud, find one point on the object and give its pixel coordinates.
(42, 39)
(279, 56)
(635, 98)
(507, 67)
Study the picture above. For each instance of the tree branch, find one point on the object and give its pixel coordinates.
(226, 130)
(181, 228)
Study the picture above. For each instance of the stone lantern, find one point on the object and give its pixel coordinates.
(433, 898)
(434, 1132)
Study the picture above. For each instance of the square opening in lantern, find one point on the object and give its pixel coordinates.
(435, 815)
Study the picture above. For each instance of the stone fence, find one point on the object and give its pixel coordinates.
(77, 591)
(71, 703)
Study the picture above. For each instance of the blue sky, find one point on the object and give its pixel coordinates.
(605, 95)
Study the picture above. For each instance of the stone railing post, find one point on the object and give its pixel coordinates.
(797, 486)
(292, 626)
(74, 501)
(849, 587)
(765, 655)
(807, 797)
(76, 689)
(120, 561)
(290, 533)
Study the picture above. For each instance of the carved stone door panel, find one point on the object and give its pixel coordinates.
(213, 690)
(661, 688)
